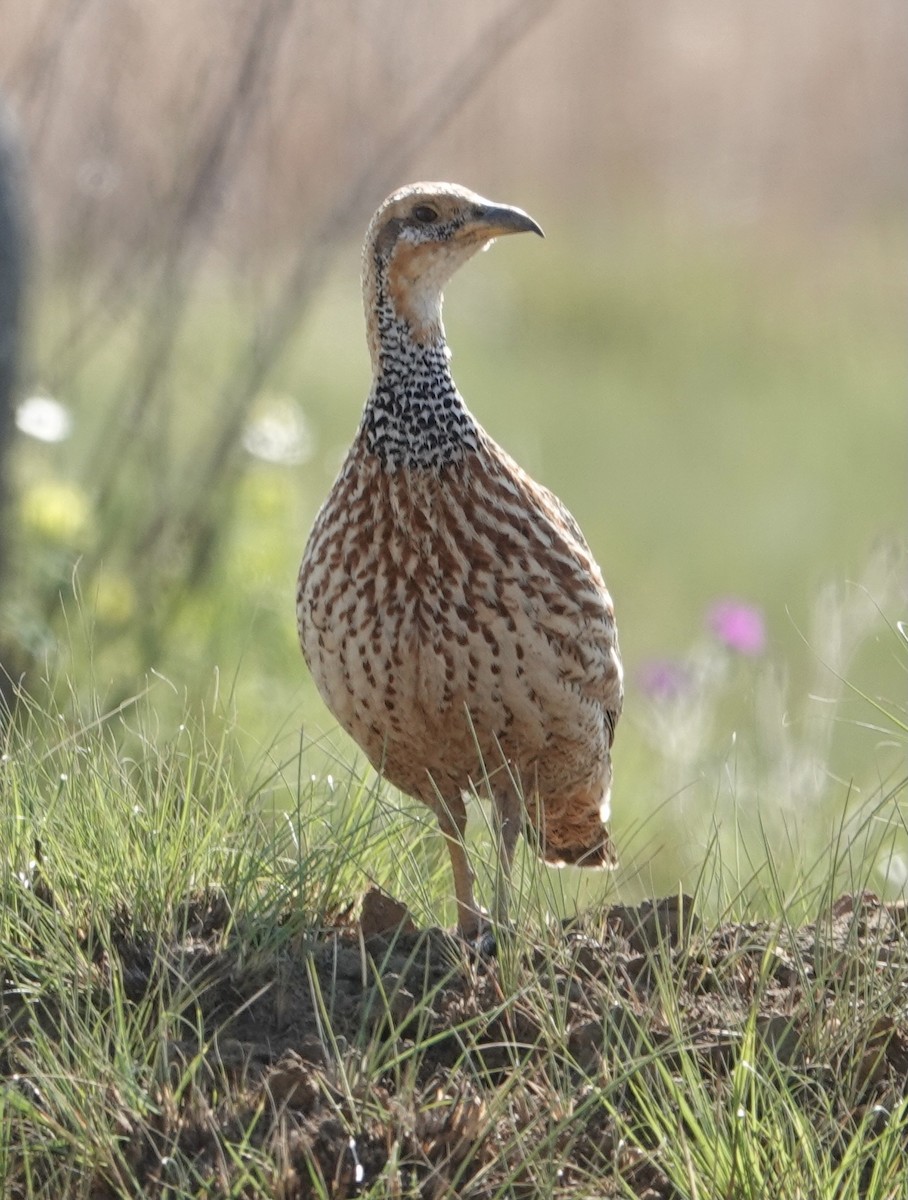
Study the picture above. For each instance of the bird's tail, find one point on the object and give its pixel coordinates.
(571, 829)
(600, 853)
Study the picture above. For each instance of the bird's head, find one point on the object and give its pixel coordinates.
(417, 240)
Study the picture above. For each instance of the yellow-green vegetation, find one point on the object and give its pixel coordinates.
(195, 1005)
(721, 410)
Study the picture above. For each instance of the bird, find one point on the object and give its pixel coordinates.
(449, 608)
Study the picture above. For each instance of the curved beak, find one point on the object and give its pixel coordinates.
(496, 220)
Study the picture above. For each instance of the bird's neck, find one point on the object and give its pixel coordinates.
(415, 417)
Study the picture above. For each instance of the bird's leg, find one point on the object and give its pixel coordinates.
(508, 821)
(452, 817)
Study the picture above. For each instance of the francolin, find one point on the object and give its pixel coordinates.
(452, 615)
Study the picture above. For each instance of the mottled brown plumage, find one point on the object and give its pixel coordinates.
(450, 610)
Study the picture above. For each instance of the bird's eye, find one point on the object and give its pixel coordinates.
(425, 214)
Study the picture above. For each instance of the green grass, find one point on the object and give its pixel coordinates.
(191, 1009)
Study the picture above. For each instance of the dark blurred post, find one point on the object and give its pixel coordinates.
(12, 287)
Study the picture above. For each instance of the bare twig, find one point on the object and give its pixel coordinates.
(184, 251)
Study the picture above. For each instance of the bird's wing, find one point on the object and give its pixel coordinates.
(559, 585)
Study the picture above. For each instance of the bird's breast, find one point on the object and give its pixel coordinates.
(437, 626)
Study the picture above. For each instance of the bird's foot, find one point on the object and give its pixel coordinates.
(472, 919)
(485, 935)
(486, 944)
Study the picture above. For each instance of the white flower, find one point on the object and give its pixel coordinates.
(44, 418)
(279, 433)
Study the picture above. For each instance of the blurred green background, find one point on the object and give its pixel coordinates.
(705, 359)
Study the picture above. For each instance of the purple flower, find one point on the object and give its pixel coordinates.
(663, 678)
(739, 626)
